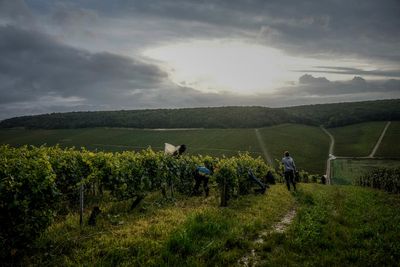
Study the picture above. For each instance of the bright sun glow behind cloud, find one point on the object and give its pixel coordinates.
(227, 65)
(223, 66)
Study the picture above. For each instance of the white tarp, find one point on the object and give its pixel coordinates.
(170, 149)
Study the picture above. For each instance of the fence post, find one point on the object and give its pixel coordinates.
(81, 204)
(172, 189)
(223, 194)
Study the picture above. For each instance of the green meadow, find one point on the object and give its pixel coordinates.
(308, 144)
(356, 140)
(344, 171)
(390, 146)
(215, 142)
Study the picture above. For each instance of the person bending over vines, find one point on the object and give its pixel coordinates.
(201, 175)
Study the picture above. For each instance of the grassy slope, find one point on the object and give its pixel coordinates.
(338, 226)
(334, 226)
(356, 140)
(308, 145)
(215, 142)
(191, 231)
(390, 146)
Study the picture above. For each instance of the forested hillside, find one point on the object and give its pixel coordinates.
(340, 114)
(330, 115)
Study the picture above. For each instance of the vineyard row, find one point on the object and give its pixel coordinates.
(36, 182)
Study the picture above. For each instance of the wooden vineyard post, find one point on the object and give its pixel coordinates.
(223, 194)
(81, 204)
(171, 188)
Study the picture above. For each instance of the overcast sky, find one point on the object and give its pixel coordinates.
(58, 56)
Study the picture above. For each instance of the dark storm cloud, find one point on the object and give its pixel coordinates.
(50, 59)
(368, 29)
(16, 12)
(33, 65)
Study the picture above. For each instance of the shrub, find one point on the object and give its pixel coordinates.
(387, 179)
(28, 197)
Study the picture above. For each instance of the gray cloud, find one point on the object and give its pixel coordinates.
(52, 52)
(353, 71)
(16, 12)
(363, 28)
(309, 79)
(34, 65)
(320, 87)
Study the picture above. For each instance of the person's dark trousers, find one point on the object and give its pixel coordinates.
(205, 186)
(289, 177)
(199, 178)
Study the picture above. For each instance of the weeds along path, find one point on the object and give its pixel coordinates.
(378, 143)
(328, 161)
(264, 149)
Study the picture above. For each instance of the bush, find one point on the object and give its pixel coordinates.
(232, 175)
(70, 168)
(381, 178)
(28, 197)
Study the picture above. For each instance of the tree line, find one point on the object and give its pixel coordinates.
(329, 115)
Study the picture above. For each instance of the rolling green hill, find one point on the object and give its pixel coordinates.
(215, 142)
(356, 140)
(308, 144)
(390, 146)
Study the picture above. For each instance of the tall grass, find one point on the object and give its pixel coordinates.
(338, 226)
(187, 232)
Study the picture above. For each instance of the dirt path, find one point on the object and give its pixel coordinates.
(378, 143)
(330, 154)
(281, 226)
(264, 150)
(251, 258)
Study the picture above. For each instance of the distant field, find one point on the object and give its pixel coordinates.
(345, 170)
(308, 145)
(216, 142)
(390, 146)
(356, 140)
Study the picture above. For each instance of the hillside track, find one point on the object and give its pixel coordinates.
(378, 143)
(328, 161)
(264, 149)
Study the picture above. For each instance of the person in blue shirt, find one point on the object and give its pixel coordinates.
(290, 169)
